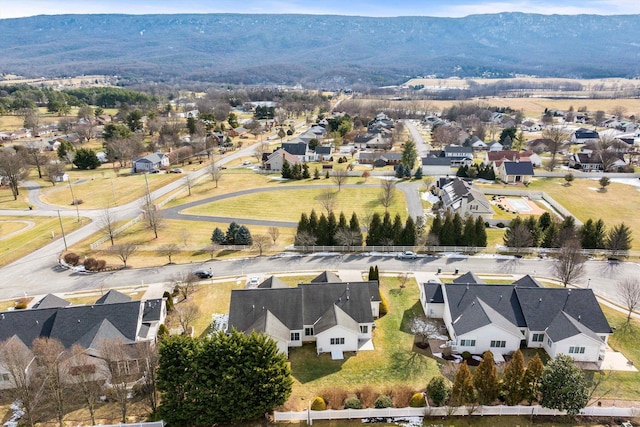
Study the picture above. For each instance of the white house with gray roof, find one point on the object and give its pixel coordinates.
(503, 318)
(337, 316)
(466, 199)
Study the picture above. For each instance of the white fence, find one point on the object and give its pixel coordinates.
(330, 414)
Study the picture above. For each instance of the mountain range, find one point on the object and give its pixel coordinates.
(317, 50)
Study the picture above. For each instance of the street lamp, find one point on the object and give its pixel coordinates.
(588, 282)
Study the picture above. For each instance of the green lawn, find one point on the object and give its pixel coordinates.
(288, 205)
(584, 200)
(392, 363)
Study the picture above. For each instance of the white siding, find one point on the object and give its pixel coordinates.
(323, 340)
(591, 348)
(297, 343)
(375, 309)
(485, 335)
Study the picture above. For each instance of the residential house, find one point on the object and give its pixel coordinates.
(62, 177)
(479, 145)
(496, 146)
(379, 158)
(151, 162)
(582, 136)
(495, 158)
(504, 318)
(323, 152)
(515, 172)
(239, 131)
(458, 155)
(276, 159)
(300, 149)
(112, 317)
(337, 316)
(595, 161)
(436, 166)
(463, 197)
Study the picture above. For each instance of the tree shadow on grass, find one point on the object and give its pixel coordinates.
(226, 252)
(408, 364)
(307, 366)
(409, 314)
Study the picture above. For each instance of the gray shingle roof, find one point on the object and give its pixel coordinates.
(433, 293)
(528, 282)
(332, 317)
(326, 277)
(469, 277)
(272, 282)
(296, 148)
(113, 296)
(354, 298)
(152, 310)
(518, 168)
(270, 325)
(51, 301)
(247, 305)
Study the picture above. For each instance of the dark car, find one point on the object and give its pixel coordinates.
(203, 274)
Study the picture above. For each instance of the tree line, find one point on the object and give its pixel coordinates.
(452, 230)
(236, 235)
(327, 230)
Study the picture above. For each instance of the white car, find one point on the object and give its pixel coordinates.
(407, 255)
(253, 282)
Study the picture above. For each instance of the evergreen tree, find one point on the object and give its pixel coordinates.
(371, 273)
(342, 222)
(567, 230)
(587, 234)
(485, 379)
(230, 238)
(407, 172)
(409, 155)
(418, 174)
(303, 224)
(462, 391)
(438, 390)
(550, 237)
(409, 234)
(387, 229)
(217, 236)
(243, 236)
(323, 231)
(447, 235)
(436, 225)
(462, 171)
(544, 221)
(457, 228)
(354, 226)
(377, 276)
(399, 169)
(513, 381)
(375, 230)
(305, 171)
(313, 223)
(469, 232)
(316, 173)
(296, 172)
(536, 234)
(600, 234)
(532, 378)
(332, 227)
(563, 386)
(396, 230)
(286, 169)
(481, 233)
(619, 238)
(86, 158)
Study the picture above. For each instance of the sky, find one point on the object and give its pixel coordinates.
(377, 8)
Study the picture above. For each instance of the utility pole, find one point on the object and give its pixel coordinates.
(74, 201)
(64, 239)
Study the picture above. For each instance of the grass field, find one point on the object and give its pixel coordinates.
(584, 200)
(288, 205)
(21, 244)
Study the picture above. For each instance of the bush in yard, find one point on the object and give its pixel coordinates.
(318, 404)
(438, 390)
(102, 264)
(367, 396)
(417, 400)
(384, 306)
(166, 295)
(383, 402)
(400, 395)
(334, 397)
(90, 264)
(21, 304)
(163, 331)
(352, 403)
(71, 258)
(466, 355)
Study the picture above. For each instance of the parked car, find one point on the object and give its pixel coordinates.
(175, 170)
(407, 255)
(204, 274)
(253, 282)
(155, 171)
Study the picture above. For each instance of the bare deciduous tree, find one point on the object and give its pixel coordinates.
(387, 194)
(119, 371)
(83, 376)
(261, 242)
(305, 238)
(184, 282)
(168, 250)
(557, 137)
(348, 237)
(17, 360)
(36, 156)
(107, 223)
(86, 131)
(187, 313)
(340, 177)
(261, 150)
(13, 166)
(152, 216)
(629, 291)
(148, 355)
(51, 356)
(274, 233)
(123, 251)
(327, 200)
(52, 170)
(570, 264)
(215, 172)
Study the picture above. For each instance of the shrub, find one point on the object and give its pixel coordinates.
(90, 264)
(166, 295)
(400, 395)
(77, 202)
(367, 396)
(318, 404)
(384, 306)
(500, 225)
(102, 264)
(352, 403)
(466, 355)
(163, 331)
(438, 390)
(334, 397)
(383, 402)
(21, 304)
(417, 400)
(71, 258)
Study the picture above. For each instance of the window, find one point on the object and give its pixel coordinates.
(498, 344)
(538, 338)
(549, 342)
(337, 341)
(576, 350)
(295, 336)
(308, 332)
(364, 329)
(467, 343)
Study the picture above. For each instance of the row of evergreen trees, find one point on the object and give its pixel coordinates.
(474, 171)
(452, 230)
(327, 230)
(383, 231)
(547, 233)
(236, 235)
(296, 171)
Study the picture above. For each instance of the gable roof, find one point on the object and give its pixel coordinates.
(564, 326)
(153, 158)
(527, 281)
(335, 316)
(272, 282)
(287, 156)
(354, 298)
(468, 277)
(99, 332)
(248, 305)
(459, 149)
(295, 148)
(326, 277)
(518, 168)
(323, 149)
(436, 161)
(51, 301)
(433, 293)
(269, 324)
(113, 296)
